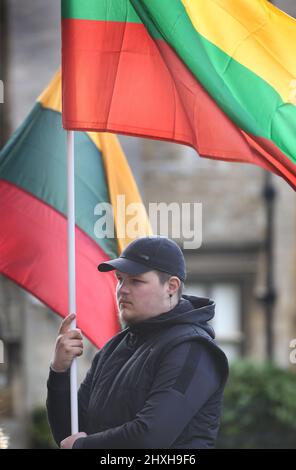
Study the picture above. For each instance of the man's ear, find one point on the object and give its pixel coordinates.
(174, 284)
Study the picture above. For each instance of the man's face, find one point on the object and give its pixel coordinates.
(140, 296)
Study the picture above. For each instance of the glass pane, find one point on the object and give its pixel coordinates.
(227, 319)
(199, 290)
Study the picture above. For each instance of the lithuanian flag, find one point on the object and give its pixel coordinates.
(218, 75)
(33, 210)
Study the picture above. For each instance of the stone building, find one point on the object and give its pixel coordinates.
(246, 262)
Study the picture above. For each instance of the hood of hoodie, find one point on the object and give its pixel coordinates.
(190, 309)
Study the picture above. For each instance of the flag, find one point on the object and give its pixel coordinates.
(217, 75)
(33, 214)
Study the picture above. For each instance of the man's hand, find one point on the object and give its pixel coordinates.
(68, 345)
(69, 441)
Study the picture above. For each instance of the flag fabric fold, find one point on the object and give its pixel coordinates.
(33, 212)
(218, 75)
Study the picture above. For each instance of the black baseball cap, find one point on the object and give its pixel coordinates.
(149, 253)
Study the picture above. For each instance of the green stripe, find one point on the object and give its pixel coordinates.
(245, 97)
(35, 159)
(103, 10)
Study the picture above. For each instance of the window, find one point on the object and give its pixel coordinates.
(228, 318)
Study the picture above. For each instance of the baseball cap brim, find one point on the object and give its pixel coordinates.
(124, 265)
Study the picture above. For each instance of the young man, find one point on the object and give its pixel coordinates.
(159, 382)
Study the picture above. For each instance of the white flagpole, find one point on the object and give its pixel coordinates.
(71, 273)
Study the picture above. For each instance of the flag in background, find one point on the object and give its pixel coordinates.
(218, 75)
(33, 211)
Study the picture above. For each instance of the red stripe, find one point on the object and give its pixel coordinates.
(33, 247)
(149, 92)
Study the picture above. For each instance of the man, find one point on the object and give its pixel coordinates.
(159, 382)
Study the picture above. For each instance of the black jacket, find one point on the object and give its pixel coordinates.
(157, 384)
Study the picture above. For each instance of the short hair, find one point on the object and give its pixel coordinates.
(165, 277)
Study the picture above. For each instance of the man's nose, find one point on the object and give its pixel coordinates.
(123, 287)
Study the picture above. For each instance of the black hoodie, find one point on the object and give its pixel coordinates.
(157, 384)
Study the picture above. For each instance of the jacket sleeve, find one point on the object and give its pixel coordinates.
(186, 378)
(58, 401)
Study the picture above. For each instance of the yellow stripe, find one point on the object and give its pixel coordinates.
(51, 97)
(121, 182)
(253, 32)
(119, 177)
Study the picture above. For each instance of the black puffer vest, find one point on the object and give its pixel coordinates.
(124, 369)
